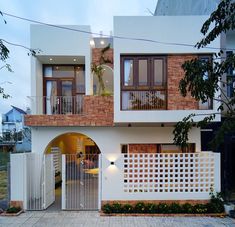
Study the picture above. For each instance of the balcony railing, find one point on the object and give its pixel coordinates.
(144, 100)
(57, 104)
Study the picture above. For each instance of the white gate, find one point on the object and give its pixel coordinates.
(40, 181)
(80, 181)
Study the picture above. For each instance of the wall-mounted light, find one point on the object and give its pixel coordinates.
(112, 163)
(102, 42)
(50, 59)
(74, 59)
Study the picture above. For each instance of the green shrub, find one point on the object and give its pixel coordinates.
(150, 208)
(187, 208)
(163, 208)
(127, 208)
(13, 210)
(216, 204)
(175, 208)
(200, 209)
(107, 209)
(117, 208)
(139, 207)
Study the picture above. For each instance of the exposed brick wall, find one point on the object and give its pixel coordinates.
(96, 54)
(175, 101)
(142, 148)
(98, 111)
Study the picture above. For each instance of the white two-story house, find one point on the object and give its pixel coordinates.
(117, 146)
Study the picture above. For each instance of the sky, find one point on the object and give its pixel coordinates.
(96, 13)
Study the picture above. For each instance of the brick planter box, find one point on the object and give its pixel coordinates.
(221, 215)
(11, 214)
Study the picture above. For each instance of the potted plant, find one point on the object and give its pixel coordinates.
(228, 206)
(232, 213)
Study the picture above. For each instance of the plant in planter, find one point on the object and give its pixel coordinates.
(232, 213)
(13, 210)
(98, 70)
(216, 204)
(227, 204)
(127, 209)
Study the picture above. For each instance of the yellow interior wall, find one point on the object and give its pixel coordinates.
(68, 143)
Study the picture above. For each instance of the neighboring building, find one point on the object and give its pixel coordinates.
(15, 135)
(116, 146)
(206, 7)
(185, 7)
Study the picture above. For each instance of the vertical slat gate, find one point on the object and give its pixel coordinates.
(34, 181)
(80, 181)
(40, 181)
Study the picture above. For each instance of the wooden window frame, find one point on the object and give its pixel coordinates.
(59, 79)
(150, 72)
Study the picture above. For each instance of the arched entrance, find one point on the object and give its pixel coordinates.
(76, 164)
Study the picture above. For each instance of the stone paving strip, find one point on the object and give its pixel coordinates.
(93, 219)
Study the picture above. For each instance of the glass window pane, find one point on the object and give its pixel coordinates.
(67, 87)
(51, 97)
(205, 60)
(128, 72)
(80, 80)
(63, 71)
(158, 72)
(143, 72)
(108, 79)
(47, 71)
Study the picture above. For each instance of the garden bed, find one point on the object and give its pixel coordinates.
(214, 208)
(12, 211)
(220, 215)
(11, 214)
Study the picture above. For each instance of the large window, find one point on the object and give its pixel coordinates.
(209, 103)
(64, 86)
(230, 78)
(143, 82)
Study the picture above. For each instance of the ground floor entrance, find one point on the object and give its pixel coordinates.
(65, 176)
(76, 164)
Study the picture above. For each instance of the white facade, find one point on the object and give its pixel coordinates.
(158, 36)
(167, 30)
(58, 46)
(110, 139)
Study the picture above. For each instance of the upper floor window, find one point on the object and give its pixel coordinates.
(59, 71)
(141, 72)
(143, 82)
(230, 78)
(209, 103)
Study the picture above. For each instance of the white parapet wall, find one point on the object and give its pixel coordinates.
(18, 176)
(185, 176)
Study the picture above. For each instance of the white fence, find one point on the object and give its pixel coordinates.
(32, 180)
(186, 176)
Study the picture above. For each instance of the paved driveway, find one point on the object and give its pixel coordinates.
(72, 218)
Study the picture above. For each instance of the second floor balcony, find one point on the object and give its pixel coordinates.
(80, 110)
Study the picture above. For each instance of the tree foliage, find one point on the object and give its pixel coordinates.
(5, 54)
(203, 88)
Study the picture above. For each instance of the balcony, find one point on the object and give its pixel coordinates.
(144, 100)
(80, 110)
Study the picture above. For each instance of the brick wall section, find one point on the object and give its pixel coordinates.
(175, 73)
(142, 148)
(98, 111)
(96, 54)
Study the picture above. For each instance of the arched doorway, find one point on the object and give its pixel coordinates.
(76, 164)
